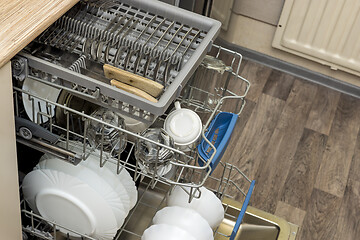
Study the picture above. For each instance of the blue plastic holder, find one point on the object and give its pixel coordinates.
(242, 211)
(219, 134)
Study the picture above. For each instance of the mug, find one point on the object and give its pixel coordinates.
(184, 126)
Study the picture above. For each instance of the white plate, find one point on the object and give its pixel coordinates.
(122, 183)
(89, 177)
(93, 163)
(186, 219)
(125, 179)
(166, 232)
(69, 202)
(41, 90)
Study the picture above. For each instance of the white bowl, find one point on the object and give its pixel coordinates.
(69, 202)
(186, 219)
(40, 90)
(91, 178)
(208, 205)
(166, 232)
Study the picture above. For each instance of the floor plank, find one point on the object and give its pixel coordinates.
(247, 147)
(239, 128)
(278, 155)
(290, 213)
(323, 110)
(285, 157)
(320, 221)
(335, 165)
(257, 74)
(279, 85)
(355, 163)
(348, 227)
(304, 168)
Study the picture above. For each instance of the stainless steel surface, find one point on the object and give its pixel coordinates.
(51, 149)
(257, 224)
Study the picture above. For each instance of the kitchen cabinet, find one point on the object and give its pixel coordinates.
(21, 22)
(10, 225)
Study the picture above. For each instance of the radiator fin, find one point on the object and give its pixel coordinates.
(326, 31)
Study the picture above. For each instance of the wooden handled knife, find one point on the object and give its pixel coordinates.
(144, 84)
(133, 90)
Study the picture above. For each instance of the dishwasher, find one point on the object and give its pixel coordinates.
(153, 42)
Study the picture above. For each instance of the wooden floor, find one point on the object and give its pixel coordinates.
(301, 143)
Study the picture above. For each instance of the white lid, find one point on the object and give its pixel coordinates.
(183, 125)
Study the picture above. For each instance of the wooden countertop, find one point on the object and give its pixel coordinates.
(23, 20)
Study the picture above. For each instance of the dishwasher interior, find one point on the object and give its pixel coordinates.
(55, 113)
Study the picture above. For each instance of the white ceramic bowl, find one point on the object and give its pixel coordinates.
(166, 232)
(186, 219)
(91, 178)
(208, 205)
(41, 90)
(69, 202)
(184, 126)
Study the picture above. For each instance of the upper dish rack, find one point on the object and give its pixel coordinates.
(190, 169)
(147, 38)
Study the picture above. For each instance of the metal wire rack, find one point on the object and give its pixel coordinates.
(188, 169)
(72, 124)
(151, 199)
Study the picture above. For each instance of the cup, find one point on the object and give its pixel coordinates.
(184, 126)
(208, 84)
(151, 157)
(113, 141)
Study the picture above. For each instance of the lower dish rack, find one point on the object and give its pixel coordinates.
(70, 122)
(151, 199)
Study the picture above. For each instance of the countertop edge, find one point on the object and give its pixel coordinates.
(51, 16)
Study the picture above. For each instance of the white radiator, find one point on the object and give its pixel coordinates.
(326, 31)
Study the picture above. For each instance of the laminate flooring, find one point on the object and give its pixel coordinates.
(301, 143)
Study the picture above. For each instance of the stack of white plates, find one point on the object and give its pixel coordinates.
(175, 223)
(86, 198)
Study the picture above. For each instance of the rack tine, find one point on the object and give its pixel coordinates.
(179, 44)
(128, 58)
(162, 36)
(118, 54)
(151, 35)
(145, 29)
(170, 41)
(185, 50)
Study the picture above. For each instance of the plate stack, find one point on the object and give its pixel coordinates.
(85, 198)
